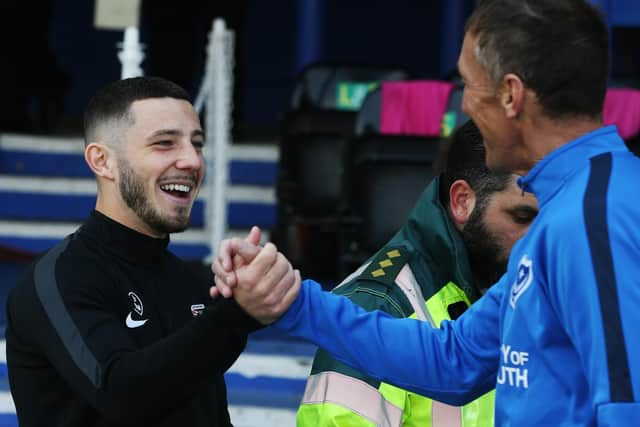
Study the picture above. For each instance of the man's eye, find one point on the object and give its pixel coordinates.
(523, 219)
(164, 143)
(198, 144)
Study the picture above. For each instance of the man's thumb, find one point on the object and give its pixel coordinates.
(254, 235)
(246, 250)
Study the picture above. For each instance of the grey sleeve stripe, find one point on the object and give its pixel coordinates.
(50, 298)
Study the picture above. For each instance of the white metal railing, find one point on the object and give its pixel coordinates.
(215, 95)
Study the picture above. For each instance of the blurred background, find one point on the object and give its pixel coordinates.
(54, 57)
(312, 157)
(57, 58)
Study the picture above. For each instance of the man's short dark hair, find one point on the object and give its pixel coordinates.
(114, 100)
(465, 159)
(559, 48)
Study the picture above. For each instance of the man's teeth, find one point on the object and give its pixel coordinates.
(176, 187)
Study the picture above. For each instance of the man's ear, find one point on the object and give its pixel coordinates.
(512, 95)
(462, 201)
(101, 160)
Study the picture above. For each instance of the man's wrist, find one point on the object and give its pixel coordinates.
(228, 313)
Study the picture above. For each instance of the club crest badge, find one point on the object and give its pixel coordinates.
(138, 309)
(137, 303)
(197, 309)
(524, 277)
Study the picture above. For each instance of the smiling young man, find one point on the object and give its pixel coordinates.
(108, 327)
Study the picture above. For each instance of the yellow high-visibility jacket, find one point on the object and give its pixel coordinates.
(424, 273)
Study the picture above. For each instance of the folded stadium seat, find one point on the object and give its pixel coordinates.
(622, 108)
(333, 86)
(454, 117)
(368, 118)
(315, 135)
(393, 155)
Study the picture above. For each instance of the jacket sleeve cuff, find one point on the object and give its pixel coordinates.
(227, 313)
(290, 318)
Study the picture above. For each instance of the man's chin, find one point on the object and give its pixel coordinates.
(177, 226)
(170, 225)
(180, 229)
(178, 220)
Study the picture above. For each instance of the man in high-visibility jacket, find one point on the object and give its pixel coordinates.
(454, 244)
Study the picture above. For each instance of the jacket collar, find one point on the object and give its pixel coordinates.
(124, 242)
(434, 237)
(549, 174)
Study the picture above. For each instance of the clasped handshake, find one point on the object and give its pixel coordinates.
(261, 279)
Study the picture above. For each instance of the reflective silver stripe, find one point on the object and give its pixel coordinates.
(407, 282)
(443, 415)
(354, 274)
(355, 395)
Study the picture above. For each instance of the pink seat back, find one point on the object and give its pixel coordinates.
(622, 108)
(413, 107)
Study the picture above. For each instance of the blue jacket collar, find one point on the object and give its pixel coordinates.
(548, 175)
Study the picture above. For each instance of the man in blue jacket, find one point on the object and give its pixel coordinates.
(557, 336)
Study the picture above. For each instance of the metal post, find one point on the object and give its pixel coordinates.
(453, 17)
(131, 54)
(310, 32)
(218, 124)
(604, 6)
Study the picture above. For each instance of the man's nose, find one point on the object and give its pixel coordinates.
(190, 158)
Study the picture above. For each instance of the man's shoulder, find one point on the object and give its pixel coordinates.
(77, 257)
(374, 286)
(51, 273)
(72, 263)
(46, 260)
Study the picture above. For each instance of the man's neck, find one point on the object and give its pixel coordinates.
(542, 135)
(125, 216)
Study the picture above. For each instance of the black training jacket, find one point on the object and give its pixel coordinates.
(109, 328)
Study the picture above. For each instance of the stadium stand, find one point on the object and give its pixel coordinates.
(315, 135)
(392, 160)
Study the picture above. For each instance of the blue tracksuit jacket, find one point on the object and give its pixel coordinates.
(558, 335)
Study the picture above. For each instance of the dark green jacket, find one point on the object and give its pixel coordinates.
(432, 248)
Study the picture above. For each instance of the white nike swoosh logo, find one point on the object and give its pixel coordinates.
(134, 323)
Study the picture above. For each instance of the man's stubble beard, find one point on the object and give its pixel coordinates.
(133, 193)
(487, 258)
